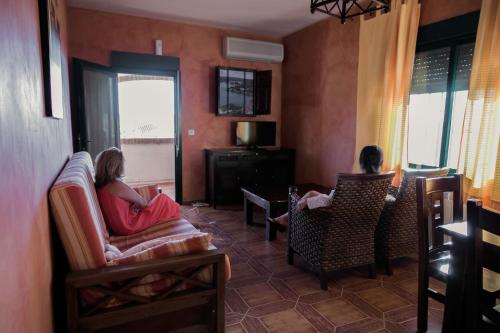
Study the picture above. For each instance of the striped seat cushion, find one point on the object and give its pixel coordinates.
(77, 214)
(167, 228)
(164, 247)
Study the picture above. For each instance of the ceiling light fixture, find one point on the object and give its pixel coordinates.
(344, 9)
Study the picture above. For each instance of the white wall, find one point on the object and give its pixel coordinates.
(149, 162)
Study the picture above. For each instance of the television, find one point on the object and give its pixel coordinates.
(254, 133)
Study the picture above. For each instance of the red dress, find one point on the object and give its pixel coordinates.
(125, 219)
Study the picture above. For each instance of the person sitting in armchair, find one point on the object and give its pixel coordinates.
(370, 161)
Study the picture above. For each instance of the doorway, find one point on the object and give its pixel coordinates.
(146, 105)
(133, 105)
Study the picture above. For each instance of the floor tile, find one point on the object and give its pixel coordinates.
(382, 299)
(287, 321)
(315, 318)
(339, 311)
(235, 329)
(259, 294)
(266, 294)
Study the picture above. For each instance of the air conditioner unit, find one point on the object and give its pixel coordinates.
(252, 50)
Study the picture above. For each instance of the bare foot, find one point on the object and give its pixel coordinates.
(283, 220)
(281, 227)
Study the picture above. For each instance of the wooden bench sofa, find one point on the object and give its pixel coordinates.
(168, 277)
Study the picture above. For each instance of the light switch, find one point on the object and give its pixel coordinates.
(190, 132)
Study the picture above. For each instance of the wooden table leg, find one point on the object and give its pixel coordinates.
(270, 227)
(248, 208)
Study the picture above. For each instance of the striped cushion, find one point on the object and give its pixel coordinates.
(77, 214)
(164, 247)
(167, 228)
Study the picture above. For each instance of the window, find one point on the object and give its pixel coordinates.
(437, 105)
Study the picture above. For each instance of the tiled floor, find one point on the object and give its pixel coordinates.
(266, 294)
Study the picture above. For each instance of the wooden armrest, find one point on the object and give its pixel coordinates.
(80, 279)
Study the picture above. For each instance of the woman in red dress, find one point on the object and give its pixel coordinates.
(125, 211)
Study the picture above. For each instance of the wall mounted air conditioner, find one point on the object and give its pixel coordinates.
(252, 50)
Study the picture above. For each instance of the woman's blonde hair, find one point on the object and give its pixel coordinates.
(108, 166)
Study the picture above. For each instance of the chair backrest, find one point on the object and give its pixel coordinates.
(77, 214)
(407, 189)
(486, 254)
(359, 199)
(430, 207)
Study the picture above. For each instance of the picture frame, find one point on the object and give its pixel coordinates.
(50, 34)
(235, 94)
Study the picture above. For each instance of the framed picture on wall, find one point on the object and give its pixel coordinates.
(50, 32)
(235, 91)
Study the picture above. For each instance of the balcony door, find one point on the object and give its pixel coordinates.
(97, 115)
(133, 105)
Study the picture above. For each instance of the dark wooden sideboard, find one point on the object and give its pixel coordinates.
(228, 170)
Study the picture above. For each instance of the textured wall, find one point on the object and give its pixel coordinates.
(319, 99)
(438, 10)
(33, 149)
(319, 91)
(93, 35)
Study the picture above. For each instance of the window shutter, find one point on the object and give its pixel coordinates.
(464, 66)
(430, 71)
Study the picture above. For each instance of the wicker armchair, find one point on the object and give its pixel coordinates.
(396, 234)
(342, 235)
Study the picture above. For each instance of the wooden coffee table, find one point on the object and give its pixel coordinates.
(274, 200)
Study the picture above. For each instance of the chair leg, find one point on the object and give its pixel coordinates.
(423, 303)
(290, 256)
(323, 280)
(372, 272)
(388, 266)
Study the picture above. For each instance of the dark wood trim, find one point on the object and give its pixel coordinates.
(210, 296)
(143, 61)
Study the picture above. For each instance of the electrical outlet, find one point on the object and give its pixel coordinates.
(191, 132)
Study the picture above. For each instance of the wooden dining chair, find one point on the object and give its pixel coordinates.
(434, 254)
(486, 277)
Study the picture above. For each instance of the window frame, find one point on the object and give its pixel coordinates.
(450, 33)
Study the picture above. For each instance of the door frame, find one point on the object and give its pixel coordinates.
(147, 64)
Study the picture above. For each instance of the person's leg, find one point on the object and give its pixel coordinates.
(303, 201)
(283, 219)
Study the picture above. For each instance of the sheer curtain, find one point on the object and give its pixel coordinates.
(386, 54)
(480, 151)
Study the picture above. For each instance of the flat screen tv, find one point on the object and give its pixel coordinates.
(255, 133)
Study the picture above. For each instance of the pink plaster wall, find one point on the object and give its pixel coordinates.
(437, 10)
(320, 87)
(33, 149)
(93, 35)
(319, 99)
